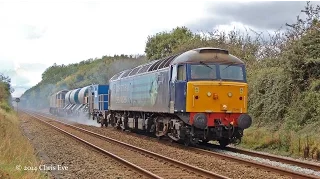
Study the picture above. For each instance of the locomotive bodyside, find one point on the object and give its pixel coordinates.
(146, 92)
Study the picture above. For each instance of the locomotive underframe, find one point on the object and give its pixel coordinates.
(174, 126)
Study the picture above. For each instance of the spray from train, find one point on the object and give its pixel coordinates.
(83, 119)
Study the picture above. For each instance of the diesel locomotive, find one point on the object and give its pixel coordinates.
(193, 97)
(196, 96)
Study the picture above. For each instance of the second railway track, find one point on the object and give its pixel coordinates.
(150, 164)
(271, 157)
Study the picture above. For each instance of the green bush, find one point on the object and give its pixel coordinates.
(5, 106)
(305, 110)
(269, 94)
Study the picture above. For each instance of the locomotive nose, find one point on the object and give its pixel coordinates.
(244, 121)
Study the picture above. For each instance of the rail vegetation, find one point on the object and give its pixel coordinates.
(14, 146)
(283, 76)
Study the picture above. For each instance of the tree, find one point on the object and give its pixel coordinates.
(163, 44)
(298, 29)
(302, 53)
(5, 88)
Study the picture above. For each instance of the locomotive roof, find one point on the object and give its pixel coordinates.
(204, 54)
(216, 55)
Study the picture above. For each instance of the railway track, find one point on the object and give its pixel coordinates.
(148, 163)
(293, 174)
(283, 171)
(302, 164)
(279, 170)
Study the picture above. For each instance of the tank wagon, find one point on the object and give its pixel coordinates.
(196, 96)
(76, 101)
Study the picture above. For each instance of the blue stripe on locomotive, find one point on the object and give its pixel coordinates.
(143, 92)
(100, 90)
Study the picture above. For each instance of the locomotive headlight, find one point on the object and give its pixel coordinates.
(209, 94)
(229, 94)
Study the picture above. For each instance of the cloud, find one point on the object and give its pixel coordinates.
(33, 66)
(24, 76)
(263, 15)
(33, 32)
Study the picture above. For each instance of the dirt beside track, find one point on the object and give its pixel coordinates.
(56, 149)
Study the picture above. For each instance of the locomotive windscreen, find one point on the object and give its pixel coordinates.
(209, 71)
(231, 72)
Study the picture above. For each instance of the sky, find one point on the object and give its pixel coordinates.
(36, 34)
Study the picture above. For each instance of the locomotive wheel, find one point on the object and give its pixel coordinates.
(106, 123)
(123, 125)
(203, 142)
(187, 141)
(102, 122)
(117, 125)
(112, 124)
(98, 119)
(223, 142)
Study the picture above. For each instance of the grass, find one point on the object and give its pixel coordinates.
(304, 143)
(15, 149)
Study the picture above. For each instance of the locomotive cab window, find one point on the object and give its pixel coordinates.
(203, 71)
(181, 73)
(231, 72)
